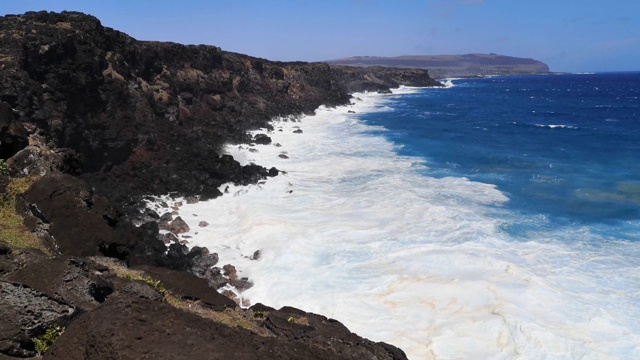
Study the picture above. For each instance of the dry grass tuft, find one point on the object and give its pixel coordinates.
(12, 230)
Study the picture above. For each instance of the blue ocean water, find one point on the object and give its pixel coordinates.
(495, 219)
(564, 147)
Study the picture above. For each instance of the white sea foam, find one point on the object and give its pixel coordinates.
(354, 232)
(448, 82)
(557, 126)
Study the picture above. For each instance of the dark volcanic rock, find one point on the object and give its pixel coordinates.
(178, 226)
(69, 215)
(202, 265)
(375, 78)
(131, 329)
(5, 250)
(26, 313)
(188, 286)
(105, 119)
(192, 199)
(74, 220)
(69, 279)
(138, 117)
(153, 116)
(262, 139)
(321, 332)
(13, 136)
(169, 238)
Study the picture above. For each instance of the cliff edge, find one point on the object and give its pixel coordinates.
(91, 121)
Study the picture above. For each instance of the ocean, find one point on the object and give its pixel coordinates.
(497, 218)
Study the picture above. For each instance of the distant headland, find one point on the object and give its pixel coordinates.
(444, 66)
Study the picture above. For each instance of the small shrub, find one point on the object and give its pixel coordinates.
(4, 168)
(44, 341)
(153, 283)
(291, 320)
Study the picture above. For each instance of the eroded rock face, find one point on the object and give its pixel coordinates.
(294, 324)
(151, 115)
(137, 117)
(189, 286)
(68, 278)
(75, 220)
(105, 119)
(26, 313)
(138, 328)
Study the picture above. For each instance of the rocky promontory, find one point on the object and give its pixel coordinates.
(446, 66)
(91, 122)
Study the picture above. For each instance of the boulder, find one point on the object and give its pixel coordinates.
(169, 238)
(69, 215)
(262, 139)
(178, 226)
(202, 265)
(70, 279)
(166, 217)
(231, 273)
(192, 199)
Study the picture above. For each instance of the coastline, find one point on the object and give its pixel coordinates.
(256, 218)
(109, 119)
(282, 154)
(334, 251)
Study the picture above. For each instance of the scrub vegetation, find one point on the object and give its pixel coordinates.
(12, 230)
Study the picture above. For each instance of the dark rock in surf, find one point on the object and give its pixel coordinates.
(192, 199)
(169, 238)
(166, 217)
(178, 226)
(262, 139)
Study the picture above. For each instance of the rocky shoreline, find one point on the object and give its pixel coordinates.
(91, 121)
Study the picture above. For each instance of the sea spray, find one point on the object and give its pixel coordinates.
(357, 232)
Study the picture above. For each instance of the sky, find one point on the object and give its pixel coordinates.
(568, 35)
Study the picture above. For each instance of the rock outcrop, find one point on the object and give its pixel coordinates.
(134, 117)
(98, 120)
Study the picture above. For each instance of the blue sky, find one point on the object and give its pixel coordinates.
(568, 35)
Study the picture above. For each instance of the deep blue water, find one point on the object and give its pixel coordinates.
(562, 147)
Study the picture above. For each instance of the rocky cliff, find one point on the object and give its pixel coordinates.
(91, 120)
(151, 115)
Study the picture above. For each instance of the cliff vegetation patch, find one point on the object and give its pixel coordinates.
(12, 230)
